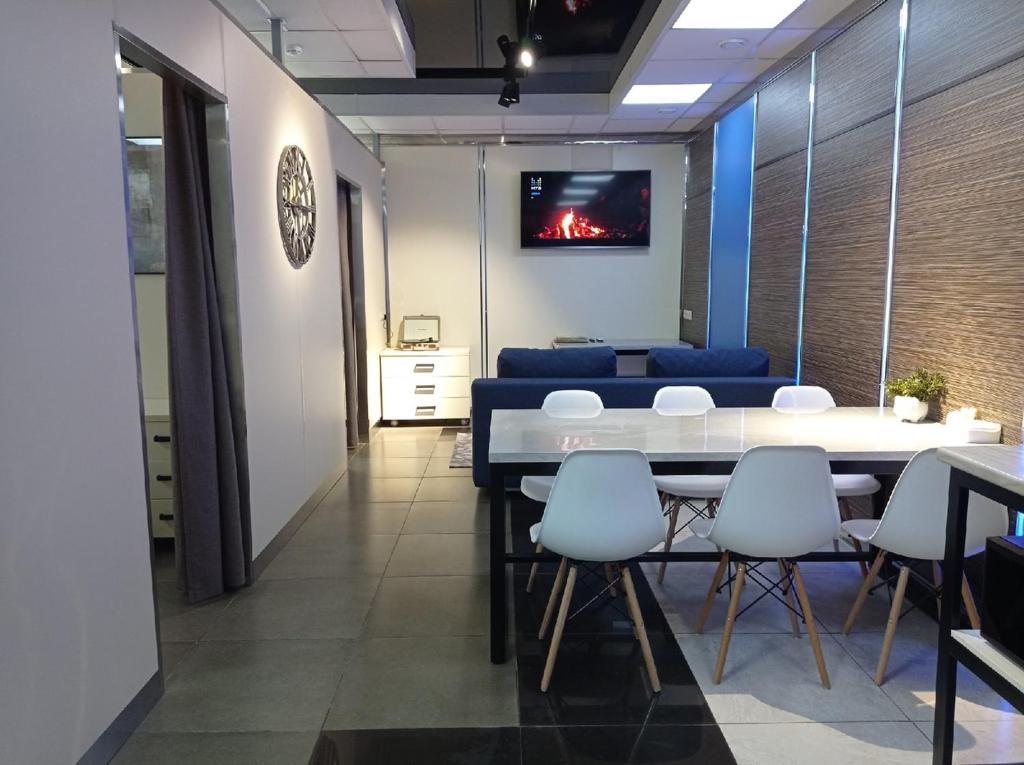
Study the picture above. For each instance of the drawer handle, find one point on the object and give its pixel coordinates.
(162, 439)
(424, 390)
(423, 368)
(421, 410)
(166, 516)
(163, 478)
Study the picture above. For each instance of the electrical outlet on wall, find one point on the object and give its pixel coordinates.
(687, 314)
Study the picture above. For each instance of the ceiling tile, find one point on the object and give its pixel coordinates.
(355, 124)
(467, 124)
(356, 14)
(719, 93)
(587, 123)
(636, 126)
(325, 68)
(300, 14)
(679, 44)
(684, 71)
(418, 124)
(748, 70)
(649, 111)
(248, 13)
(388, 69)
(374, 45)
(684, 125)
(537, 122)
(701, 110)
(815, 14)
(316, 46)
(782, 41)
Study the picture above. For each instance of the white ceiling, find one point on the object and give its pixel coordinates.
(339, 38)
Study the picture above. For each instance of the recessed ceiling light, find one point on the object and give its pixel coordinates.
(731, 43)
(665, 94)
(294, 50)
(735, 14)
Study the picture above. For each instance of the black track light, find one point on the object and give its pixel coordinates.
(509, 94)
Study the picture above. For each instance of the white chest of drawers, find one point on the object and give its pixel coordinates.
(158, 455)
(425, 385)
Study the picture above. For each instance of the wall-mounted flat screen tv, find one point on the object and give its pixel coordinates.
(585, 209)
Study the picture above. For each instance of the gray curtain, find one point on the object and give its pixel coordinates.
(211, 514)
(348, 316)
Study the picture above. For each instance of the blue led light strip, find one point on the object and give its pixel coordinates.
(750, 225)
(1020, 524)
(893, 196)
(807, 217)
(711, 233)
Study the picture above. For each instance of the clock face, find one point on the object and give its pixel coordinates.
(296, 205)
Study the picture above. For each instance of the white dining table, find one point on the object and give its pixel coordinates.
(530, 442)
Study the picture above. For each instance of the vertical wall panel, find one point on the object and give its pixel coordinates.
(695, 269)
(776, 245)
(782, 114)
(950, 40)
(847, 256)
(958, 292)
(702, 160)
(856, 73)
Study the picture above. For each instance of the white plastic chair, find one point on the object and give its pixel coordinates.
(809, 399)
(564, 404)
(679, 490)
(914, 526)
(779, 504)
(603, 508)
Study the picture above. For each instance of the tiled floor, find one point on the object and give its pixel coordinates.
(366, 641)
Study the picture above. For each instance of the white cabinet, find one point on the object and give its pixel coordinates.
(425, 385)
(158, 457)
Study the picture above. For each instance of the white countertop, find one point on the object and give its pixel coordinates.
(444, 350)
(847, 433)
(995, 463)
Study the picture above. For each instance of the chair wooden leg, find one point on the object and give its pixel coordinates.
(641, 630)
(673, 518)
(533, 569)
(812, 630)
(730, 619)
(556, 590)
(787, 592)
(716, 582)
(890, 626)
(862, 594)
(969, 604)
(609, 575)
(556, 636)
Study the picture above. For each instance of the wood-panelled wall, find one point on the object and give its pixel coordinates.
(697, 240)
(957, 300)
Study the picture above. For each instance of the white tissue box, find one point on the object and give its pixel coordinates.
(977, 432)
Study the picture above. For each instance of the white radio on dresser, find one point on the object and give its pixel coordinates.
(425, 385)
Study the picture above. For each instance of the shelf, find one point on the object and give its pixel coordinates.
(1000, 662)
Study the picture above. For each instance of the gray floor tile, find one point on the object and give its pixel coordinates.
(976, 742)
(443, 450)
(363, 488)
(437, 467)
(388, 467)
(409, 433)
(447, 518)
(393, 447)
(180, 621)
(356, 556)
(269, 685)
(892, 743)
(338, 518)
(172, 652)
(297, 608)
(439, 555)
(424, 682)
(429, 605)
(258, 748)
(453, 489)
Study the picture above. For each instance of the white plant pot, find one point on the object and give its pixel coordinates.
(909, 409)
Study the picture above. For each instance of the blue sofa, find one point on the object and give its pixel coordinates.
(734, 377)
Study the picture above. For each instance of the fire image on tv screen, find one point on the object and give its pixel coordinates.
(590, 209)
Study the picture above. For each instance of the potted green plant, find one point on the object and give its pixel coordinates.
(912, 394)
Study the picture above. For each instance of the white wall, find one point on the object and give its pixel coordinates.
(533, 295)
(77, 635)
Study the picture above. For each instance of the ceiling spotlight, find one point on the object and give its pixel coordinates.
(509, 94)
(293, 50)
(526, 57)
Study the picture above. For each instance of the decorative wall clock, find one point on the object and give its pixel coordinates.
(296, 205)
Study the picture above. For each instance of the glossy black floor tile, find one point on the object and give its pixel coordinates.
(444, 746)
(643, 745)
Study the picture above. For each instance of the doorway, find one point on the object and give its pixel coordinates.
(353, 300)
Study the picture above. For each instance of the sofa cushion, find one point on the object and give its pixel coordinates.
(557, 362)
(714, 362)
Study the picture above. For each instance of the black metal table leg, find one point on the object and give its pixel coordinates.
(952, 574)
(499, 606)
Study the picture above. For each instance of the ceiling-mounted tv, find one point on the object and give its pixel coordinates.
(585, 209)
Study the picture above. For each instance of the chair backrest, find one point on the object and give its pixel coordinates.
(675, 400)
(603, 507)
(914, 521)
(572, 403)
(803, 397)
(780, 503)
